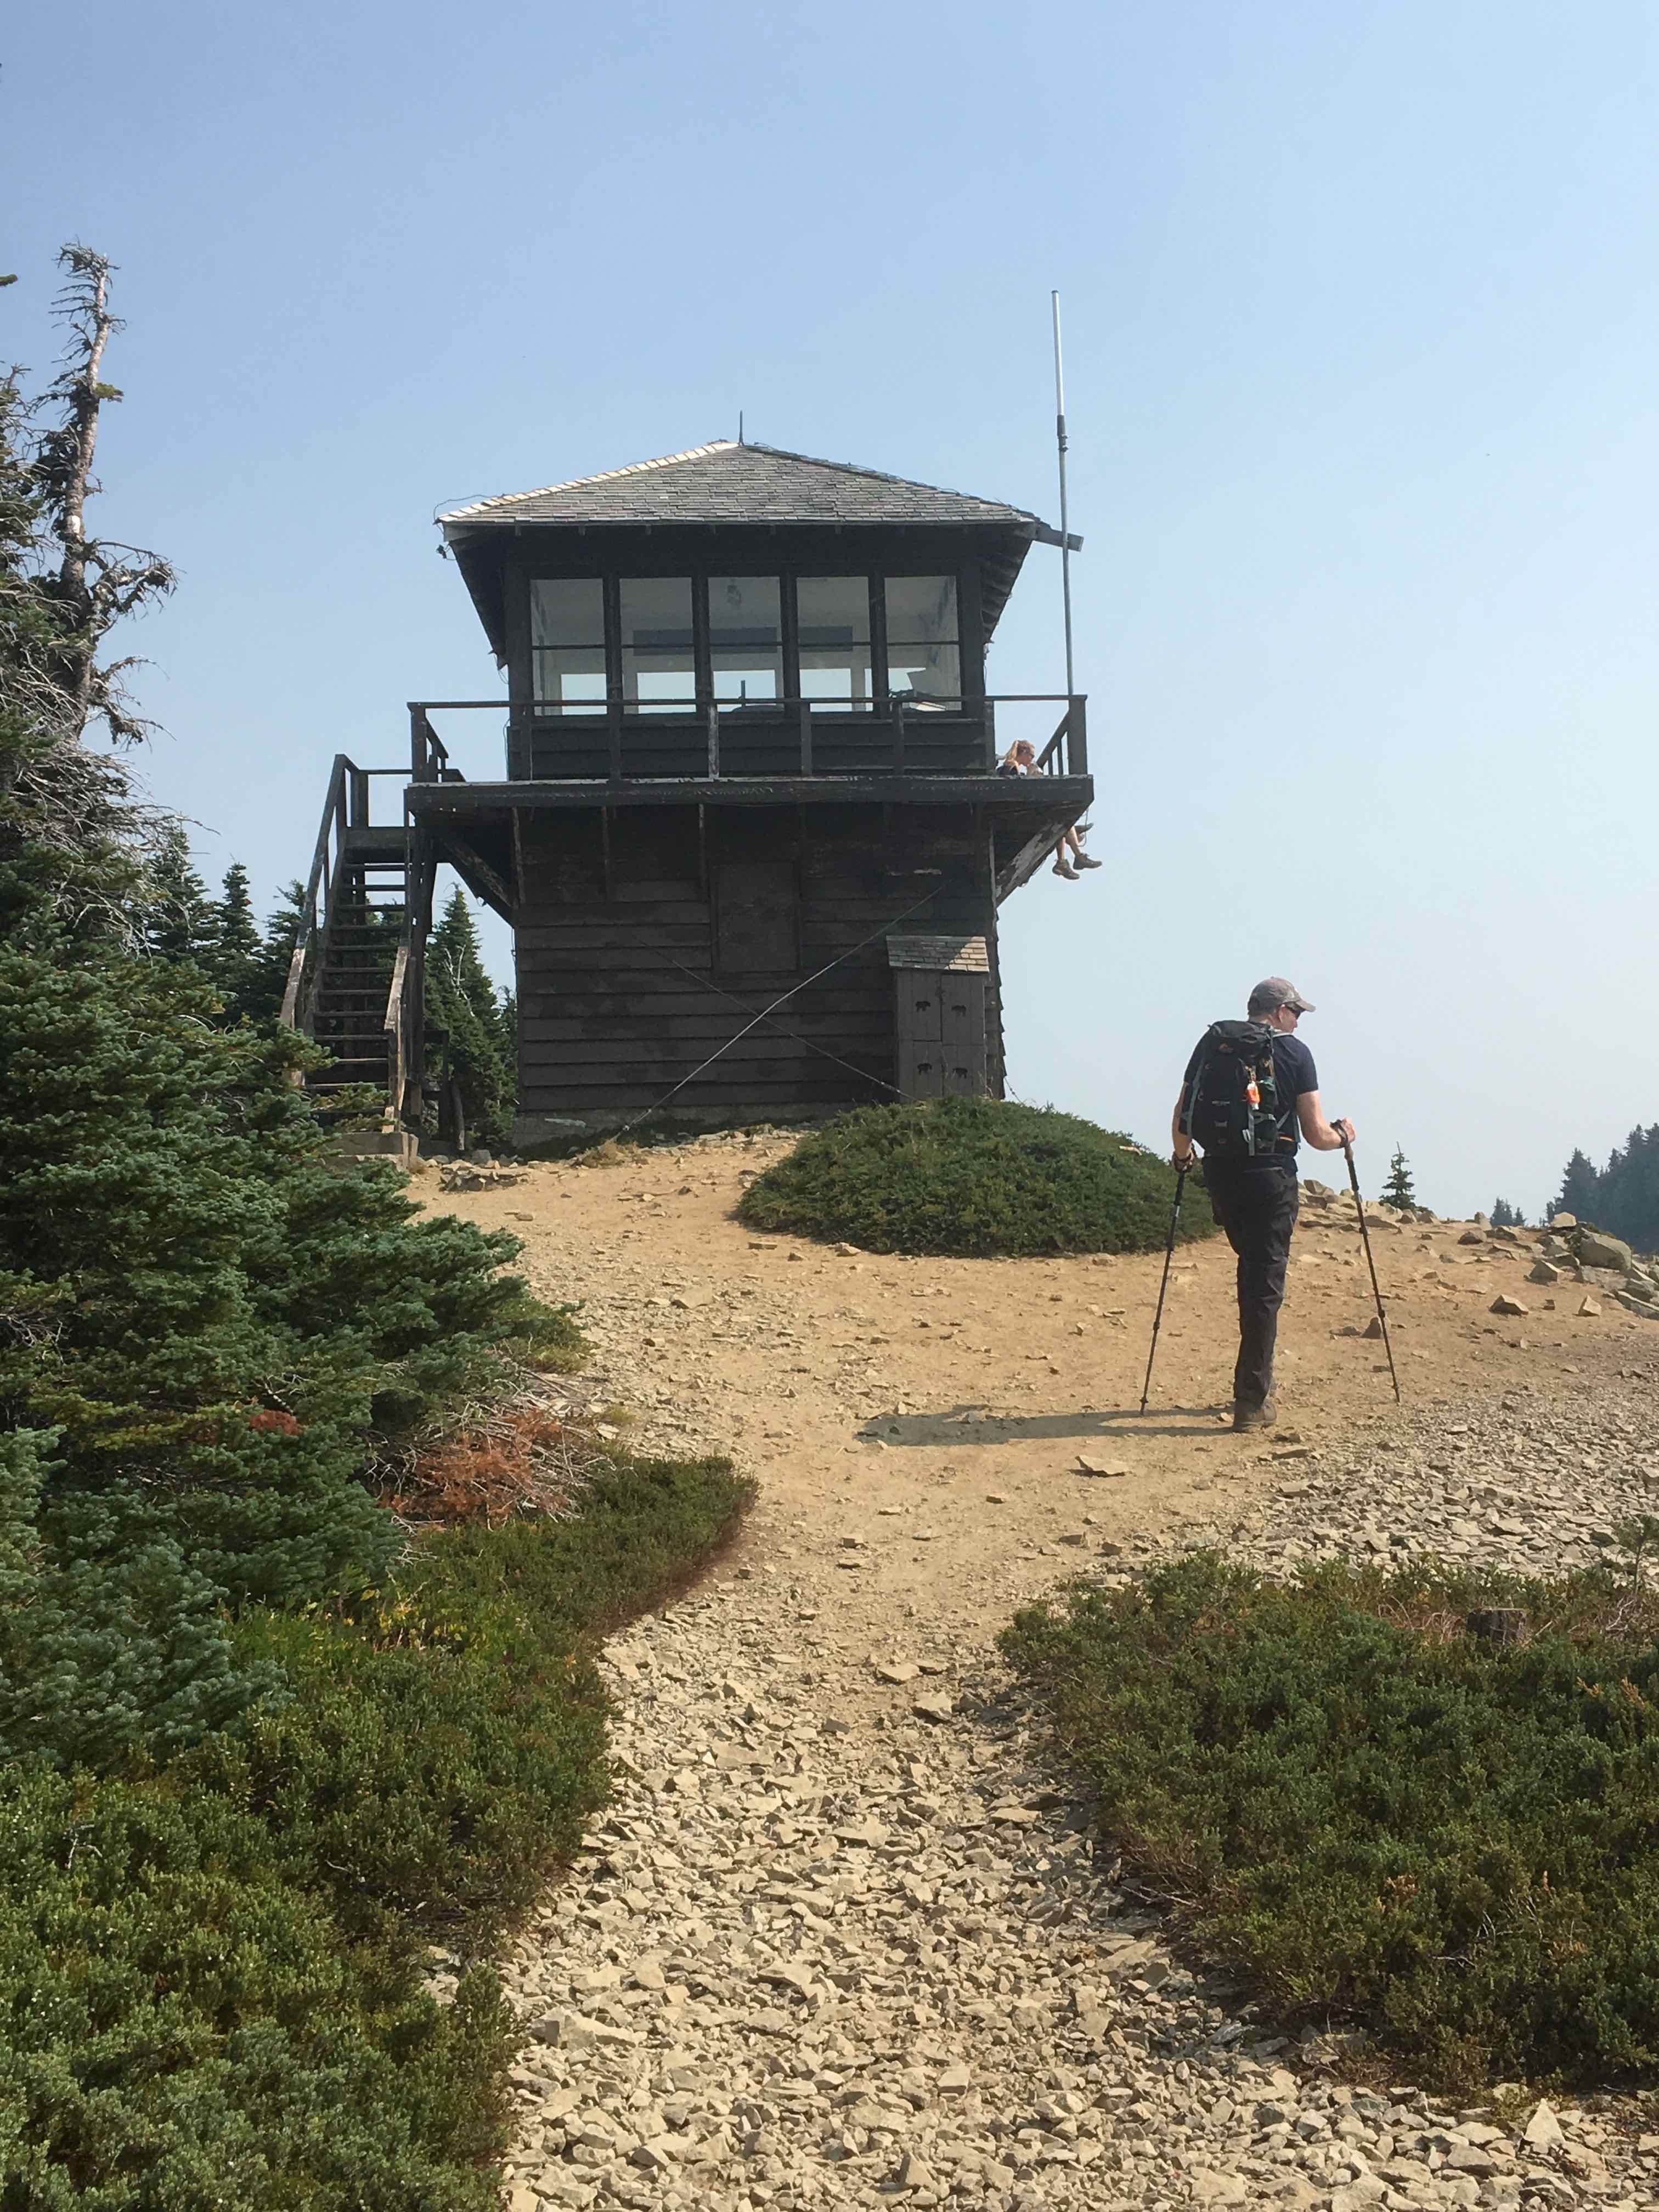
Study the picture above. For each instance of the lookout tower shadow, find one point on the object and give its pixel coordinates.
(976, 1425)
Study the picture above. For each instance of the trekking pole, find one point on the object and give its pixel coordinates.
(1365, 1239)
(1182, 1169)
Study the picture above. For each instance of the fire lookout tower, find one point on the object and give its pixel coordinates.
(750, 757)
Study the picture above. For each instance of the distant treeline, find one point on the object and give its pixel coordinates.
(1623, 1197)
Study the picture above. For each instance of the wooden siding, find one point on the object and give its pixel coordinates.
(753, 743)
(647, 937)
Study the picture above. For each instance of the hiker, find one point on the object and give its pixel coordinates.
(1249, 1090)
(1020, 759)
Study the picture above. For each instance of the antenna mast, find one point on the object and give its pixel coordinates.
(1065, 519)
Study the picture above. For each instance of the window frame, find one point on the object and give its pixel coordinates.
(791, 578)
(708, 676)
(789, 573)
(560, 710)
(697, 586)
(960, 698)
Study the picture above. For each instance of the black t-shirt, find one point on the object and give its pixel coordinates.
(1293, 1072)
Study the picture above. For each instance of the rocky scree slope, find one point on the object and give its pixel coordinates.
(841, 1941)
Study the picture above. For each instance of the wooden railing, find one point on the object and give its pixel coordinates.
(326, 861)
(1066, 752)
(902, 735)
(429, 756)
(346, 808)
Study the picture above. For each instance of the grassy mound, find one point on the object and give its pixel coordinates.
(1377, 1817)
(211, 1976)
(974, 1178)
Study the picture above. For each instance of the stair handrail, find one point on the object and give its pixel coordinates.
(314, 905)
(396, 1025)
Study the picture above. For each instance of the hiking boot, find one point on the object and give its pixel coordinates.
(1083, 861)
(1063, 869)
(1248, 1416)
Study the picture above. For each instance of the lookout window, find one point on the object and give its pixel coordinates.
(658, 662)
(924, 653)
(567, 644)
(833, 613)
(745, 638)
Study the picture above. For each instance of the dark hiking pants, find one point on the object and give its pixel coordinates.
(1255, 1202)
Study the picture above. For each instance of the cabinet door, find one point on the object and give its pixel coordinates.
(961, 1031)
(919, 1019)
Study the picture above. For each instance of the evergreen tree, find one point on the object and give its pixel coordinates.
(1397, 1191)
(1577, 1195)
(234, 957)
(1627, 1191)
(461, 1001)
(178, 923)
(1506, 1216)
(203, 1326)
(268, 982)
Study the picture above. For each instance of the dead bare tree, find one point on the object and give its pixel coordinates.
(77, 837)
(99, 580)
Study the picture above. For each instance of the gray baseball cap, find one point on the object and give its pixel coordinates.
(1274, 991)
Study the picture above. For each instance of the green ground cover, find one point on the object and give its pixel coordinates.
(974, 1178)
(210, 1987)
(1375, 1817)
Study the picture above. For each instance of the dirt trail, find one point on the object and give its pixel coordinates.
(916, 1425)
(838, 1940)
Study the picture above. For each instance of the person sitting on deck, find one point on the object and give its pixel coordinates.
(1020, 759)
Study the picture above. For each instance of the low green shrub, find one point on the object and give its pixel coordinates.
(209, 1977)
(110, 1659)
(548, 1339)
(442, 1740)
(182, 2028)
(973, 1178)
(1377, 1817)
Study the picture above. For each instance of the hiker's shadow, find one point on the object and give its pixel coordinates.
(974, 1425)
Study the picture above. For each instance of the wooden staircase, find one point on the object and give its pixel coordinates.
(354, 981)
(356, 961)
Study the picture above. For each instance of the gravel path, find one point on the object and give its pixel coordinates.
(839, 1941)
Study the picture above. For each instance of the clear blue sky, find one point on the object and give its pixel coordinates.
(1362, 378)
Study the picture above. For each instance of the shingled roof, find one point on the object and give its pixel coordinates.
(726, 482)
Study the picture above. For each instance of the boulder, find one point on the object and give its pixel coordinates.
(1506, 1305)
(1542, 1271)
(1543, 2129)
(1562, 1221)
(1596, 1248)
